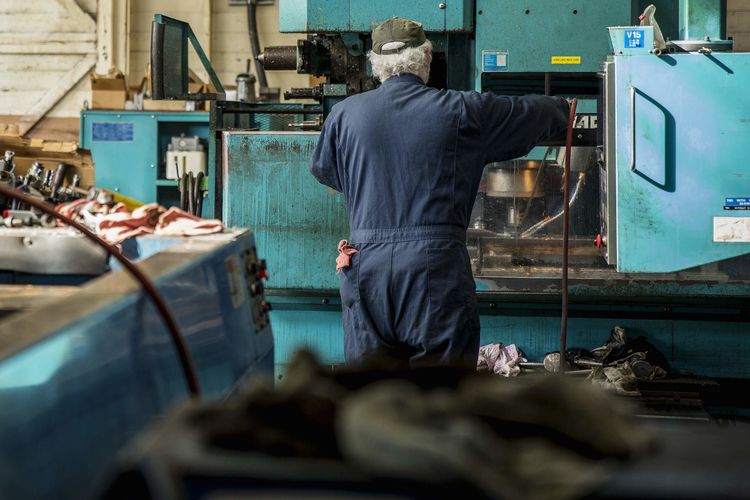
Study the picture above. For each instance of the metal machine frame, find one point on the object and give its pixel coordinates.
(84, 369)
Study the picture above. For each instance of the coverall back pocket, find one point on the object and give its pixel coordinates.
(349, 282)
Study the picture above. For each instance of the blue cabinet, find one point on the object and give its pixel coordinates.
(129, 149)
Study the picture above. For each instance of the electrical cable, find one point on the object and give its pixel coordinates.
(183, 354)
(252, 30)
(198, 194)
(566, 235)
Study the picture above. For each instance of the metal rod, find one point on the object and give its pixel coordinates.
(544, 223)
(566, 236)
(252, 31)
(272, 111)
(632, 128)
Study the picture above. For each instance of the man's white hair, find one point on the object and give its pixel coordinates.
(414, 60)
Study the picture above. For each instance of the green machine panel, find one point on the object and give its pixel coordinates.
(326, 16)
(545, 35)
(297, 222)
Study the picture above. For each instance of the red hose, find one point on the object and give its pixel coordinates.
(186, 360)
(566, 236)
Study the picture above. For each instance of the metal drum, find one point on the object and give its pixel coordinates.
(514, 179)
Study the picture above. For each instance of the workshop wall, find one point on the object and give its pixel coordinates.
(47, 47)
(44, 70)
(738, 24)
(221, 30)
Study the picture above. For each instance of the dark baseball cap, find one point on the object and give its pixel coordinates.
(397, 29)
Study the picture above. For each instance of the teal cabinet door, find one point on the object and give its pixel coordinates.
(297, 222)
(682, 126)
(123, 147)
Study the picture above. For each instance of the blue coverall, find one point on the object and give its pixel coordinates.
(408, 159)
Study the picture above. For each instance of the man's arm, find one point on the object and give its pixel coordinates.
(512, 126)
(324, 164)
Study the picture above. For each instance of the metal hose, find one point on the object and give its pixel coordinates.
(183, 354)
(252, 30)
(544, 223)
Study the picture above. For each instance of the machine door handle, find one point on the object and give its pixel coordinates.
(632, 128)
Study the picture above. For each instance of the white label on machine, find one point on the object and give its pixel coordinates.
(732, 229)
(183, 162)
(235, 281)
(494, 61)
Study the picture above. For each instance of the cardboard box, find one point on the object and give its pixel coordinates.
(49, 153)
(172, 105)
(108, 91)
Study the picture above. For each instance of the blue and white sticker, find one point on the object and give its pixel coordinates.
(112, 132)
(494, 61)
(634, 39)
(737, 204)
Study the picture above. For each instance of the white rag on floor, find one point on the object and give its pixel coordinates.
(500, 359)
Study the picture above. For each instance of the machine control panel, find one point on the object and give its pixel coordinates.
(256, 271)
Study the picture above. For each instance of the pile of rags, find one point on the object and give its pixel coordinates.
(500, 359)
(620, 363)
(115, 223)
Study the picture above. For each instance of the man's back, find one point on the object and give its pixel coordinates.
(409, 159)
(409, 155)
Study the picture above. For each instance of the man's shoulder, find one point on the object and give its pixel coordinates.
(363, 101)
(353, 102)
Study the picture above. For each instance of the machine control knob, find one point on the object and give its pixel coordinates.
(262, 269)
(600, 241)
(441, 5)
(256, 289)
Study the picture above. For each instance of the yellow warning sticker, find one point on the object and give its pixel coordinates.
(566, 59)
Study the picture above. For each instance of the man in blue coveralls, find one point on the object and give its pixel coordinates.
(408, 159)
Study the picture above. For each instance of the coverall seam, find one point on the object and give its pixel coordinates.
(413, 233)
(455, 156)
(391, 282)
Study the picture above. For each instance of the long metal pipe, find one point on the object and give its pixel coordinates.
(566, 236)
(252, 31)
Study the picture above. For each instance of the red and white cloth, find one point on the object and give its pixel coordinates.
(116, 224)
(345, 255)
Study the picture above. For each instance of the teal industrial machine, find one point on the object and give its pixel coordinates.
(86, 361)
(659, 191)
